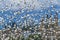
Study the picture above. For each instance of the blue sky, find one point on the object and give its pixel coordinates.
(16, 10)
